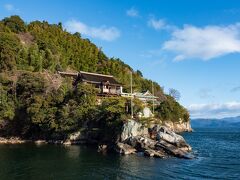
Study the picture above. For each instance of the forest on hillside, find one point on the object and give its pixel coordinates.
(31, 54)
(39, 45)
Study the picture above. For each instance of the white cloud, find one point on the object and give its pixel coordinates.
(132, 12)
(103, 32)
(159, 24)
(9, 7)
(204, 43)
(215, 110)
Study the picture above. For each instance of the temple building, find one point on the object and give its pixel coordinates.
(146, 96)
(106, 85)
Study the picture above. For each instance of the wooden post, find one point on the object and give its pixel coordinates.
(131, 97)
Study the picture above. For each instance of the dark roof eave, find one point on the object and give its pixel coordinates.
(95, 82)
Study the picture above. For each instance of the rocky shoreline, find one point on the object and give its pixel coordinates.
(158, 141)
(12, 140)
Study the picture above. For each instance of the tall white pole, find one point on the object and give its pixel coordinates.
(153, 96)
(131, 98)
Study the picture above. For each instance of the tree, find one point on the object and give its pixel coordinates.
(139, 73)
(39, 108)
(171, 110)
(175, 94)
(15, 23)
(7, 104)
(9, 47)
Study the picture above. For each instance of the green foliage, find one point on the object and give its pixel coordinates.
(114, 106)
(170, 110)
(139, 73)
(28, 85)
(32, 107)
(51, 48)
(9, 47)
(15, 24)
(7, 103)
(137, 106)
(76, 108)
(112, 114)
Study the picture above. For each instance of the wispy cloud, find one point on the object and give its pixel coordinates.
(103, 32)
(9, 7)
(159, 24)
(215, 110)
(204, 43)
(132, 12)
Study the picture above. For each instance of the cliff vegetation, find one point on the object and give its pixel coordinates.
(35, 102)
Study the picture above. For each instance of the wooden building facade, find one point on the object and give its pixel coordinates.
(106, 85)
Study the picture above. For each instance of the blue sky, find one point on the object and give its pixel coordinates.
(192, 46)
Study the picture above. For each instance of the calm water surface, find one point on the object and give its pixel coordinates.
(217, 151)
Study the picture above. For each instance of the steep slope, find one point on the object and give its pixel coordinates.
(39, 45)
(34, 101)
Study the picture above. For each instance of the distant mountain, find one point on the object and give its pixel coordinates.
(213, 123)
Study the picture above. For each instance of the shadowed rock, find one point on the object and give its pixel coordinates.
(158, 141)
(173, 150)
(171, 137)
(124, 149)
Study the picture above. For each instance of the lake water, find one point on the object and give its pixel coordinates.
(217, 151)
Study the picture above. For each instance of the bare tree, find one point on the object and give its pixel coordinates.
(175, 94)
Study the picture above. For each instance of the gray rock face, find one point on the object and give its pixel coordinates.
(140, 143)
(159, 142)
(124, 149)
(178, 126)
(133, 128)
(171, 137)
(173, 150)
(154, 153)
(76, 136)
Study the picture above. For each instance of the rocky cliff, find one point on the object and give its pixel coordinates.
(158, 141)
(178, 126)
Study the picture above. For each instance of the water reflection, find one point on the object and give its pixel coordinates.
(73, 152)
(216, 159)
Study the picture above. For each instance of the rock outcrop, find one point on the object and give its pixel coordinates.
(159, 141)
(12, 140)
(178, 126)
(125, 149)
(171, 137)
(133, 128)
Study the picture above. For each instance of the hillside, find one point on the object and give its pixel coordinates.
(36, 102)
(39, 45)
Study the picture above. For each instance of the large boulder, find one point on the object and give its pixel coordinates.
(132, 128)
(76, 136)
(154, 153)
(173, 150)
(158, 141)
(171, 137)
(124, 149)
(140, 142)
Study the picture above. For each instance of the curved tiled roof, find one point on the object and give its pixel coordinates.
(98, 78)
